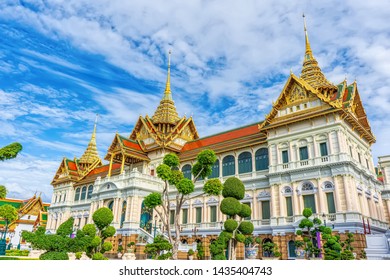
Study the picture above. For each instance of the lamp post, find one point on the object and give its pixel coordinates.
(20, 237)
(324, 217)
(195, 230)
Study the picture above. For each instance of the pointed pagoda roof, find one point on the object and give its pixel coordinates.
(166, 112)
(91, 153)
(311, 72)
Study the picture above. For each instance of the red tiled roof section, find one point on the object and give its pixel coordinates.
(72, 165)
(104, 168)
(222, 137)
(131, 144)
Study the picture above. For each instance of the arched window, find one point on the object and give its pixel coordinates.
(90, 191)
(228, 166)
(307, 186)
(245, 162)
(83, 192)
(186, 169)
(261, 159)
(111, 205)
(77, 194)
(215, 170)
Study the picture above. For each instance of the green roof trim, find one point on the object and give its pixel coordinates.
(17, 205)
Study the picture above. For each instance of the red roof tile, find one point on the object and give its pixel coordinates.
(72, 165)
(131, 144)
(104, 168)
(222, 137)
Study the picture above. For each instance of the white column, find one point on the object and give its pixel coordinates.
(282, 203)
(337, 196)
(320, 195)
(295, 199)
(347, 193)
(330, 147)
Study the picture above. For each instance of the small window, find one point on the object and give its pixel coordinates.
(198, 215)
(213, 214)
(323, 149)
(360, 159)
(298, 108)
(305, 105)
(185, 216)
(172, 217)
(285, 156)
(303, 153)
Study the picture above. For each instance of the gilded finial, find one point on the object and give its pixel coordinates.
(308, 52)
(91, 152)
(167, 92)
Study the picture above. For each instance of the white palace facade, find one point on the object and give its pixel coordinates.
(313, 149)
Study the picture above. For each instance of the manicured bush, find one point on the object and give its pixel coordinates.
(245, 212)
(176, 176)
(307, 212)
(206, 157)
(152, 200)
(96, 241)
(90, 230)
(230, 225)
(246, 227)
(66, 228)
(54, 256)
(108, 232)
(240, 237)
(78, 255)
(102, 217)
(107, 246)
(213, 187)
(164, 172)
(171, 160)
(230, 206)
(202, 170)
(233, 187)
(98, 257)
(185, 186)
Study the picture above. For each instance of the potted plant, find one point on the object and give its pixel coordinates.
(120, 250)
(251, 247)
(299, 251)
(131, 247)
(191, 254)
(268, 248)
(275, 251)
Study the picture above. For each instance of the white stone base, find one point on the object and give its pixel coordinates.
(128, 256)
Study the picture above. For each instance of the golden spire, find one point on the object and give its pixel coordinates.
(311, 72)
(166, 112)
(91, 153)
(167, 92)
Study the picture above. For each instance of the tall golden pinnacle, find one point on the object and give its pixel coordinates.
(91, 153)
(166, 112)
(311, 72)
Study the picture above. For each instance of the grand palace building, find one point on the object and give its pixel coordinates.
(313, 149)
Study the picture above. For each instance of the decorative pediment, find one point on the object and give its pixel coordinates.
(197, 202)
(264, 195)
(212, 200)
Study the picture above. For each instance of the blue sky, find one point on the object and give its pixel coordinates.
(62, 62)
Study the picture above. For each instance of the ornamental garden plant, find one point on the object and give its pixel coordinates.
(174, 182)
(236, 228)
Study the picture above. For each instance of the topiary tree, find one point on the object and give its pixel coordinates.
(10, 151)
(200, 251)
(347, 253)
(8, 214)
(233, 191)
(174, 181)
(332, 246)
(308, 231)
(156, 249)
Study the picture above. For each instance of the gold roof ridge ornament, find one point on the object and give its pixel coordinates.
(91, 153)
(311, 72)
(166, 111)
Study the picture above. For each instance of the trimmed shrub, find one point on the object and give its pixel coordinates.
(171, 160)
(206, 157)
(107, 246)
(307, 212)
(90, 230)
(164, 172)
(205, 170)
(246, 227)
(240, 237)
(98, 257)
(54, 256)
(245, 212)
(96, 241)
(102, 217)
(152, 200)
(230, 206)
(176, 176)
(230, 225)
(108, 232)
(185, 186)
(213, 187)
(233, 187)
(66, 228)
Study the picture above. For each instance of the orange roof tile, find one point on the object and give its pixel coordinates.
(131, 144)
(72, 165)
(104, 168)
(221, 137)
